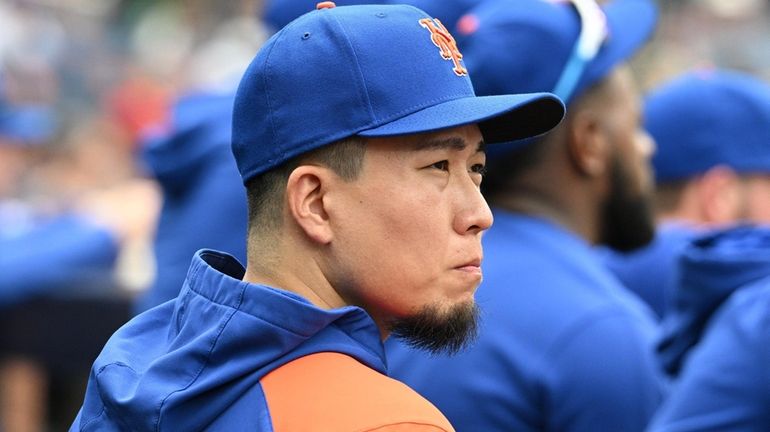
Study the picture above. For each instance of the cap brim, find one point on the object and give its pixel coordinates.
(631, 23)
(502, 118)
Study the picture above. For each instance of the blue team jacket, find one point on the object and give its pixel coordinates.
(562, 346)
(724, 384)
(200, 363)
(712, 267)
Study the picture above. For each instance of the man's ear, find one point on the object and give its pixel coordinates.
(305, 191)
(588, 146)
(720, 194)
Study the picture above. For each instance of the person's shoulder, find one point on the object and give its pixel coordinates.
(335, 392)
(748, 308)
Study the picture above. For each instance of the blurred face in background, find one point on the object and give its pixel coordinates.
(628, 220)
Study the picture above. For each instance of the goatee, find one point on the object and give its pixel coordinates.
(439, 331)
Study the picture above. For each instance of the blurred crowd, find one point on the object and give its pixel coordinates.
(112, 110)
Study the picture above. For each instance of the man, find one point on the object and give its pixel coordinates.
(715, 171)
(359, 140)
(712, 169)
(562, 345)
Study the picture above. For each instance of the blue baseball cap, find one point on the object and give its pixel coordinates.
(526, 45)
(371, 71)
(707, 118)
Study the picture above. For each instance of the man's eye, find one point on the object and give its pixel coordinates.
(479, 169)
(442, 165)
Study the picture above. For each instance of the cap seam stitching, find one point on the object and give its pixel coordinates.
(365, 93)
(264, 83)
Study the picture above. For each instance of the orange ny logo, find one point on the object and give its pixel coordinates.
(445, 43)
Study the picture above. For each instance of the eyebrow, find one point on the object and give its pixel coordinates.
(452, 143)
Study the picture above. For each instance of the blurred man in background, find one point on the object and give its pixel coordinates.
(712, 169)
(203, 202)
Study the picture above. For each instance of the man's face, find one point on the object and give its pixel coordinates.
(628, 210)
(407, 231)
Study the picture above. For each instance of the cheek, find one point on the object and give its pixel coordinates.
(400, 249)
(411, 230)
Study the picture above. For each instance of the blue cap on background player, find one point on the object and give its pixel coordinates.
(707, 118)
(551, 45)
(371, 71)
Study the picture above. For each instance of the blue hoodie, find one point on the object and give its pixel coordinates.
(204, 203)
(712, 267)
(725, 381)
(196, 363)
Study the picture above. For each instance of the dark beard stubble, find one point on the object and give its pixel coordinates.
(439, 331)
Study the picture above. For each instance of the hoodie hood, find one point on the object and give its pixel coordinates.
(184, 364)
(201, 125)
(712, 267)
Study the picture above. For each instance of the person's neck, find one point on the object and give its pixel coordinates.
(299, 274)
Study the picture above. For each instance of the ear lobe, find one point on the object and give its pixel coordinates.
(588, 148)
(305, 191)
